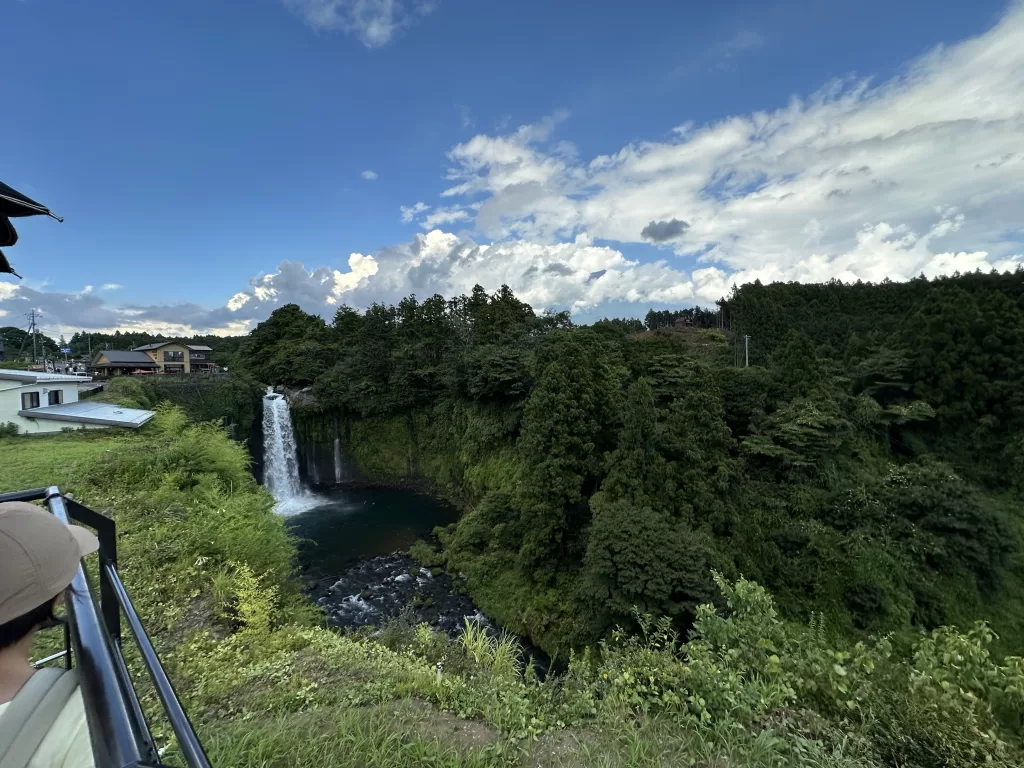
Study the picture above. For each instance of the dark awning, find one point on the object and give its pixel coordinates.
(12, 205)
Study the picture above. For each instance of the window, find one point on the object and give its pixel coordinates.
(29, 400)
(174, 357)
(198, 356)
(56, 396)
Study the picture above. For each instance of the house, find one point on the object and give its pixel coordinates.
(178, 357)
(118, 362)
(38, 402)
(200, 358)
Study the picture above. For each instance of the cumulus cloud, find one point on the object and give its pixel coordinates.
(369, 175)
(821, 187)
(316, 290)
(375, 22)
(578, 274)
(663, 231)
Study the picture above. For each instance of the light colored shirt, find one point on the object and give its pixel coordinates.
(67, 743)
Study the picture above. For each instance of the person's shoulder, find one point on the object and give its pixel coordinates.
(67, 744)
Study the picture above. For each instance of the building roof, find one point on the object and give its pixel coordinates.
(119, 358)
(151, 347)
(39, 377)
(193, 347)
(91, 412)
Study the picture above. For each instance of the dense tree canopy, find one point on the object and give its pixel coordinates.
(866, 466)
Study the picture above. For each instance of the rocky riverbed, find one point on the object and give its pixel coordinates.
(377, 589)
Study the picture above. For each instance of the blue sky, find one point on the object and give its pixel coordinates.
(209, 156)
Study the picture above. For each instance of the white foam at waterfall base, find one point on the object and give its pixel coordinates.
(281, 459)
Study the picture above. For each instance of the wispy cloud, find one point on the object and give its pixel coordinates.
(369, 175)
(922, 173)
(375, 22)
(112, 286)
(443, 216)
(742, 41)
(410, 212)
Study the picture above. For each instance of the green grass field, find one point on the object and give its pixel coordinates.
(67, 460)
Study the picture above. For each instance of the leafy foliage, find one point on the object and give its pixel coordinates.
(209, 566)
(860, 471)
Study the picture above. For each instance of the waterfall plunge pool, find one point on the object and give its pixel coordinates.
(352, 541)
(352, 554)
(356, 523)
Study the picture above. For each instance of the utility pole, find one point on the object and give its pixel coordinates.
(746, 350)
(32, 330)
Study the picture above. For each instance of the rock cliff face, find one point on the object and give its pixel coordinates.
(338, 448)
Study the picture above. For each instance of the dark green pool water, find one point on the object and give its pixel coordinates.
(358, 523)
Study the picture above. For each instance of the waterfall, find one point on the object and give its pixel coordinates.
(337, 451)
(281, 458)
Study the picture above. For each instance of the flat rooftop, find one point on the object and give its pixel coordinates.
(89, 412)
(39, 377)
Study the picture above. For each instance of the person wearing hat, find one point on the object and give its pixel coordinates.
(42, 716)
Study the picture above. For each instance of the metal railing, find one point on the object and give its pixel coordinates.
(92, 640)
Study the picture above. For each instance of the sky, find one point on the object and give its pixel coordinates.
(215, 159)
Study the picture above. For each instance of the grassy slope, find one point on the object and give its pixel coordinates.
(209, 566)
(299, 695)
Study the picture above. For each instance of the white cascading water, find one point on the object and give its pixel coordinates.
(337, 459)
(281, 457)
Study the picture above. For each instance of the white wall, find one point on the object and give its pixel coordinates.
(10, 404)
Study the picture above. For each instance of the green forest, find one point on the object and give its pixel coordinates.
(812, 561)
(866, 468)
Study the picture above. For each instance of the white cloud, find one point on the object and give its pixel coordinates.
(375, 22)
(742, 41)
(112, 286)
(443, 216)
(578, 275)
(828, 186)
(410, 212)
(238, 301)
(360, 267)
(369, 175)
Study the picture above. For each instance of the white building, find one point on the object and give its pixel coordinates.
(40, 402)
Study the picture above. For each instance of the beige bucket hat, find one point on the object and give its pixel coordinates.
(39, 556)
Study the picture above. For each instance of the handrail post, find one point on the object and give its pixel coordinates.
(188, 742)
(111, 722)
(106, 532)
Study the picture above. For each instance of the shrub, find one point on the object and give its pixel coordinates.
(425, 555)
